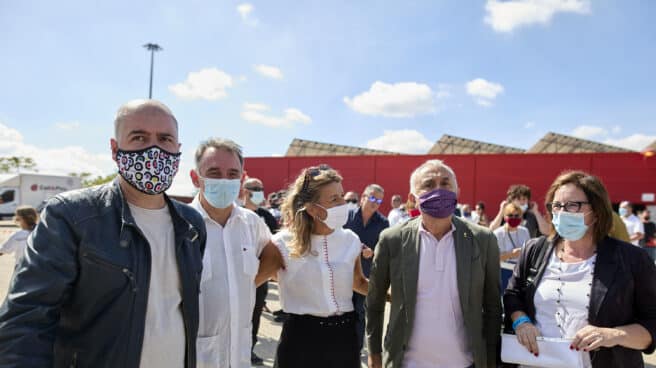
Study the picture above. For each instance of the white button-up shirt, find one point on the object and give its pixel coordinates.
(227, 289)
(320, 283)
(438, 335)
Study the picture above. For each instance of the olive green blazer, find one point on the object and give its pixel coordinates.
(396, 265)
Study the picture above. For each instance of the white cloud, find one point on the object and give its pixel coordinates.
(399, 100)
(616, 129)
(254, 113)
(206, 84)
(68, 126)
(505, 16)
(636, 142)
(529, 125)
(269, 71)
(589, 132)
(403, 141)
(484, 92)
(245, 10)
(62, 160)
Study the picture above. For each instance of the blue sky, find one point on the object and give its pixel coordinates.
(379, 74)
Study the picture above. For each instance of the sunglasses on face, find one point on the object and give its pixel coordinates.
(255, 189)
(375, 200)
(354, 201)
(514, 215)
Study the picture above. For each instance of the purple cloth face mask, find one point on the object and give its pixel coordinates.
(439, 203)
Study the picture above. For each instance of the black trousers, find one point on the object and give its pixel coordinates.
(309, 341)
(358, 305)
(260, 296)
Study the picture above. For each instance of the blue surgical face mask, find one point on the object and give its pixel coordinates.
(221, 193)
(570, 226)
(257, 198)
(524, 207)
(623, 211)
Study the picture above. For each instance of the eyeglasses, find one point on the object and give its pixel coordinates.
(514, 215)
(311, 172)
(354, 201)
(255, 189)
(569, 206)
(375, 200)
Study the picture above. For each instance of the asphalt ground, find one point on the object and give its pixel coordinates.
(269, 330)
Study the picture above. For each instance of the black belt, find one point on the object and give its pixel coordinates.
(331, 321)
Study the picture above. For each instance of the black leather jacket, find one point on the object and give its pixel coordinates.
(623, 292)
(79, 297)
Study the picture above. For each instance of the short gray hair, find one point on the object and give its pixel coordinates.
(219, 144)
(134, 106)
(373, 188)
(437, 164)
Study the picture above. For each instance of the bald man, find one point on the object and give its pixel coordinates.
(111, 274)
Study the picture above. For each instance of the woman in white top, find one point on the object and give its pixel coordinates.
(26, 218)
(511, 236)
(317, 272)
(583, 285)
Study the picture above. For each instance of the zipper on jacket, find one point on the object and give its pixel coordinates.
(129, 274)
(74, 360)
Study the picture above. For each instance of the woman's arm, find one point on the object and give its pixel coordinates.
(360, 282)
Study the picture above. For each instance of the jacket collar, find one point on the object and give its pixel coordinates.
(182, 228)
(606, 267)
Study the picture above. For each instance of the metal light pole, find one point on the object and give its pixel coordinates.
(152, 47)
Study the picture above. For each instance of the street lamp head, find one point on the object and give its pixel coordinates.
(153, 47)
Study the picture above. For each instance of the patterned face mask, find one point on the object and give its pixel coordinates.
(150, 170)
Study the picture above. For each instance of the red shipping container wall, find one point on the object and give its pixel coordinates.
(480, 177)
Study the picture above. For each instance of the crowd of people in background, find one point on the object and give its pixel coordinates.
(120, 275)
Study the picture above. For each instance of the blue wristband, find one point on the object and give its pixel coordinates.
(519, 321)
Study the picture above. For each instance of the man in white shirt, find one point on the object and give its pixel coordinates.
(397, 213)
(236, 239)
(633, 224)
(444, 278)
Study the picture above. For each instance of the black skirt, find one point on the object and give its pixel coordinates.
(309, 341)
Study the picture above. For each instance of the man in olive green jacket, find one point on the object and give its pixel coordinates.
(446, 308)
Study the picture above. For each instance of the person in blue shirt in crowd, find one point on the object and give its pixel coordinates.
(367, 222)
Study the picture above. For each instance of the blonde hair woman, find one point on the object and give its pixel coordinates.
(511, 236)
(317, 272)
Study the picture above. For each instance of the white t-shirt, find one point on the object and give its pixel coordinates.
(227, 289)
(397, 215)
(16, 244)
(510, 240)
(634, 226)
(164, 333)
(320, 283)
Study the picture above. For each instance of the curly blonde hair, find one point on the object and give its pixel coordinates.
(305, 190)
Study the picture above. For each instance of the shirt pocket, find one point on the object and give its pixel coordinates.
(249, 259)
(207, 351)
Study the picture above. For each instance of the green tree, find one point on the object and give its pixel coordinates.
(98, 180)
(16, 164)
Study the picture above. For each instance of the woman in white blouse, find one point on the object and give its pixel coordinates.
(317, 271)
(583, 285)
(26, 218)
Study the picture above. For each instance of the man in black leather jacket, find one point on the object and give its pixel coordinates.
(111, 274)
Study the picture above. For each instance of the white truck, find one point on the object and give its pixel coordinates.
(32, 190)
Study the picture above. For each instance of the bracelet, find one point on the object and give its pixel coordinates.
(519, 321)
